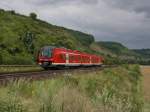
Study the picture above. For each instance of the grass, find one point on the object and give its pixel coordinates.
(6, 69)
(111, 90)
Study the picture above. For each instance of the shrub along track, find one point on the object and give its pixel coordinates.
(39, 75)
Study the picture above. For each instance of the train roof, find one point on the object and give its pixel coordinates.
(49, 47)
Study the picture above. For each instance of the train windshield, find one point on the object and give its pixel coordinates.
(46, 52)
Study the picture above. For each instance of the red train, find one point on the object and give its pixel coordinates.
(53, 57)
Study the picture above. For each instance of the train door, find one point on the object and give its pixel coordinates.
(67, 58)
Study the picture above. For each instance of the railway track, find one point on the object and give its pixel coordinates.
(6, 77)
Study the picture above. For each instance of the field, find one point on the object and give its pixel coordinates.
(146, 77)
(146, 81)
(111, 90)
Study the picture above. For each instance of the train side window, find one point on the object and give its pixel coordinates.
(85, 59)
(71, 57)
(79, 58)
(82, 59)
(62, 56)
(93, 60)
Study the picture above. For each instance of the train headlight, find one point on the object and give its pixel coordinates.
(40, 63)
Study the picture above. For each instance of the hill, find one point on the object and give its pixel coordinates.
(117, 48)
(145, 56)
(22, 36)
(114, 47)
(116, 52)
(143, 52)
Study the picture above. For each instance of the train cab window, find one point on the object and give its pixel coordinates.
(46, 51)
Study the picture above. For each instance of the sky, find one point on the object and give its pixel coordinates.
(125, 21)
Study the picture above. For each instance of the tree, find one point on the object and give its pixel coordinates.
(2, 10)
(33, 16)
(28, 40)
(12, 12)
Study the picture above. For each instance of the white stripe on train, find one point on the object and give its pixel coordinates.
(75, 64)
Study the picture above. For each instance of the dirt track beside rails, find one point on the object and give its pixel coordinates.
(146, 81)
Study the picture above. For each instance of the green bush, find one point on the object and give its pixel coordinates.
(33, 16)
(12, 12)
(16, 59)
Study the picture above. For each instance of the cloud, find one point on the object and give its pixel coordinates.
(117, 20)
(45, 2)
(131, 5)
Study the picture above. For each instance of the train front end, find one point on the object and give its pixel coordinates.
(45, 57)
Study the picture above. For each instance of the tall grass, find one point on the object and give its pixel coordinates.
(112, 90)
